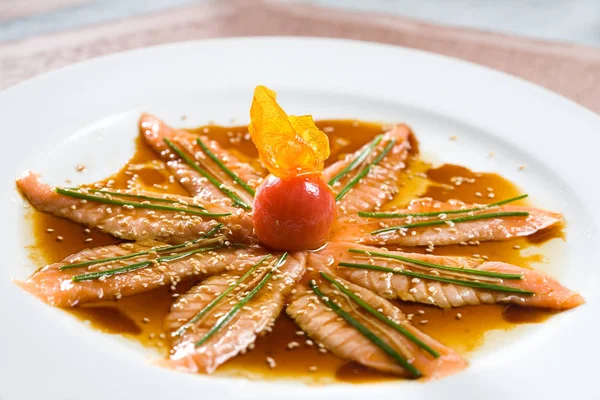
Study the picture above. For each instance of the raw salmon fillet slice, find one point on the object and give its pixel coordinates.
(136, 223)
(359, 230)
(383, 181)
(548, 292)
(155, 131)
(323, 325)
(255, 318)
(57, 287)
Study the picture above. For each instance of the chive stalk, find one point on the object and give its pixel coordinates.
(366, 214)
(461, 282)
(459, 220)
(366, 332)
(105, 200)
(237, 200)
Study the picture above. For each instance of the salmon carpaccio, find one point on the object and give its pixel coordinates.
(324, 325)
(155, 131)
(383, 180)
(57, 287)
(548, 292)
(138, 223)
(360, 230)
(255, 318)
(238, 291)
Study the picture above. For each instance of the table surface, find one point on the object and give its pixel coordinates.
(571, 21)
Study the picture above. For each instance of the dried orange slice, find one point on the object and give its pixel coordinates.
(288, 146)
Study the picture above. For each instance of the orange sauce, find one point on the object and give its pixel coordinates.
(140, 317)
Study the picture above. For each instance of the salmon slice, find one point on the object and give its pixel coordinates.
(323, 325)
(382, 182)
(359, 230)
(56, 287)
(155, 131)
(547, 292)
(255, 318)
(137, 223)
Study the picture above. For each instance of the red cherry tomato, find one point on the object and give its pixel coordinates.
(294, 213)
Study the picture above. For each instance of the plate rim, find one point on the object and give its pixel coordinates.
(6, 93)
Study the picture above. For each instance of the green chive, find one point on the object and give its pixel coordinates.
(105, 200)
(142, 253)
(227, 317)
(438, 266)
(139, 265)
(237, 200)
(381, 317)
(365, 331)
(138, 196)
(473, 284)
(221, 165)
(365, 170)
(213, 303)
(357, 161)
(366, 214)
(468, 218)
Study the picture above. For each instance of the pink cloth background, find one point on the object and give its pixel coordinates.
(571, 70)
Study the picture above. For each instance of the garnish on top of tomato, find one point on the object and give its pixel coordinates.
(294, 208)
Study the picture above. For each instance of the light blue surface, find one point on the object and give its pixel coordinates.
(575, 21)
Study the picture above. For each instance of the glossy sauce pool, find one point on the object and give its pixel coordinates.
(140, 317)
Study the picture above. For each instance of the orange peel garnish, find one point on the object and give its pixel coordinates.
(288, 146)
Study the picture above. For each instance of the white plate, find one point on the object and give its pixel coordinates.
(74, 115)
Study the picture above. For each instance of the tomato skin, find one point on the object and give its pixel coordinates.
(295, 213)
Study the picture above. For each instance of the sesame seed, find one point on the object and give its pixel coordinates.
(516, 247)
(312, 368)
(522, 167)
(59, 238)
(458, 315)
(271, 362)
(423, 321)
(80, 168)
(49, 230)
(292, 345)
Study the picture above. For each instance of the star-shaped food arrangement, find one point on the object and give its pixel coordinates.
(321, 244)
